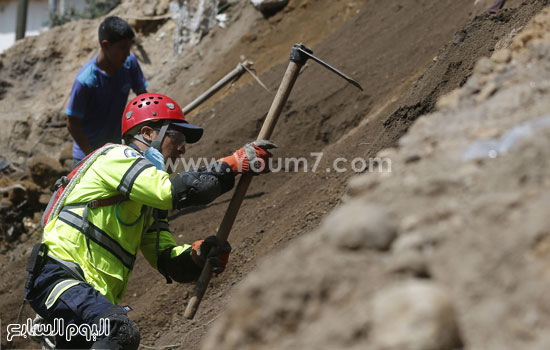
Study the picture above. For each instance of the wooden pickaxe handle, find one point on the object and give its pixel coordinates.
(298, 57)
(281, 97)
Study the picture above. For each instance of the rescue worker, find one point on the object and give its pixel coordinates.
(115, 204)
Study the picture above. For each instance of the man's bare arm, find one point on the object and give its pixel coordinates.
(75, 129)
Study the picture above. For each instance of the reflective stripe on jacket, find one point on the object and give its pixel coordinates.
(116, 232)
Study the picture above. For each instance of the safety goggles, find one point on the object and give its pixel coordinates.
(176, 135)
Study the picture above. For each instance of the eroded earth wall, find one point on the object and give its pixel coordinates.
(450, 248)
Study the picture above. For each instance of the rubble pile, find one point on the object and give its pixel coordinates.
(24, 196)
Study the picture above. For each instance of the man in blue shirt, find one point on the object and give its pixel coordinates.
(101, 88)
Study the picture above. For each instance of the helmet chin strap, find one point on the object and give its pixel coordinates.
(141, 139)
(157, 142)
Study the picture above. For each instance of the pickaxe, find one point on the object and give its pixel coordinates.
(298, 57)
(245, 66)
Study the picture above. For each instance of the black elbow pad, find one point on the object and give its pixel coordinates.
(202, 186)
(222, 171)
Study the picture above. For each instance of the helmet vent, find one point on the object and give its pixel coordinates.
(160, 97)
(147, 103)
(140, 105)
(143, 99)
(156, 102)
(135, 102)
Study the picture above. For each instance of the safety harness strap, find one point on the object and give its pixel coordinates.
(98, 236)
(157, 247)
(76, 174)
(35, 263)
(97, 203)
(125, 186)
(69, 266)
(59, 183)
(161, 225)
(160, 137)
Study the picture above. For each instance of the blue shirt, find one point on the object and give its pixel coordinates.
(99, 100)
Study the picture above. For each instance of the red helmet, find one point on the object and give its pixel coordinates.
(154, 107)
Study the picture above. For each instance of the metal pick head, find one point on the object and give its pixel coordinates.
(309, 54)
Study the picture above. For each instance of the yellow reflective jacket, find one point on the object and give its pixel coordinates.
(119, 230)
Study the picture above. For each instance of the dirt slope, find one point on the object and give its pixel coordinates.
(448, 250)
(388, 46)
(321, 110)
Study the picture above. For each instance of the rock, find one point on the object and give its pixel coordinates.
(66, 157)
(45, 170)
(502, 56)
(67, 165)
(487, 91)
(67, 153)
(416, 315)
(14, 193)
(149, 9)
(359, 225)
(410, 263)
(449, 100)
(195, 20)
(361, 184)
(483, 66)
(409, 242)
(5, 203)
(269, 7)
(44, 199)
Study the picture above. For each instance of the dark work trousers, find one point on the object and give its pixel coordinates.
(80, 304)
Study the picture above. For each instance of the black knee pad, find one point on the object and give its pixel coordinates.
(123, 334)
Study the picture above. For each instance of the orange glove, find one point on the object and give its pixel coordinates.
(251, 158)
(210, 249)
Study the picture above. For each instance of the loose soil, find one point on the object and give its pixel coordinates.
(405, 54)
